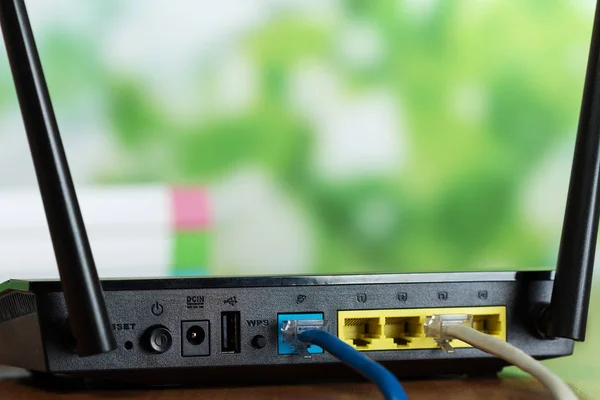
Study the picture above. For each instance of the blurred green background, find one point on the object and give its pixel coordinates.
(336, 136)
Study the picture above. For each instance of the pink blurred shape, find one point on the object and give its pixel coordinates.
(190, 208)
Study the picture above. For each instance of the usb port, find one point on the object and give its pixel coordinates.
(230, 332)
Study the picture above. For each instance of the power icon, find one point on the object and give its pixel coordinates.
(161, 340)
(157, 309)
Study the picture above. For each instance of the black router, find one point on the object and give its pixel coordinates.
(225, 330)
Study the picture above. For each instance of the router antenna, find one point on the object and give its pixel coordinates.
(566, 316)
(88, 317)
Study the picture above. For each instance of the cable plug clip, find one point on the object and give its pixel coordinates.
(292, 328)
(435, 324)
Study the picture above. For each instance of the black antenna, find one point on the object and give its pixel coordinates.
(566, 317)
(88, 317)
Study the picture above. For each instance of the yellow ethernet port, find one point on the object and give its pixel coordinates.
(402, 329)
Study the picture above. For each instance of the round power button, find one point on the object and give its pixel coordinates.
(157, 339)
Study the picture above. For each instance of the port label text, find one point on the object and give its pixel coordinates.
(257, 322)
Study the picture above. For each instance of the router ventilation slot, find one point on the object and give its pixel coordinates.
(14, 305)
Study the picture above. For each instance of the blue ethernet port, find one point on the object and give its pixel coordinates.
(285, 348)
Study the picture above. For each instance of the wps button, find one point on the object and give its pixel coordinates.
(259, 341)
(157, 339)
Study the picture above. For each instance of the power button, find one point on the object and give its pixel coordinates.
(157, 309)
(157, 339)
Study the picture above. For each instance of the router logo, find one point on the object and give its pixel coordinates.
(257, 322)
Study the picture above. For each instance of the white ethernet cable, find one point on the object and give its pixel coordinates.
(446, 327)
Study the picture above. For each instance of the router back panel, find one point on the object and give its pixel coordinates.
(227, 330)
(221, 324)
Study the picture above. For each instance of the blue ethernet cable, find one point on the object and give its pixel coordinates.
(384, 379)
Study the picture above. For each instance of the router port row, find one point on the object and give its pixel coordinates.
(402, 329)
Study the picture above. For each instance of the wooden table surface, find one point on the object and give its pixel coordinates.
(15, 385)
